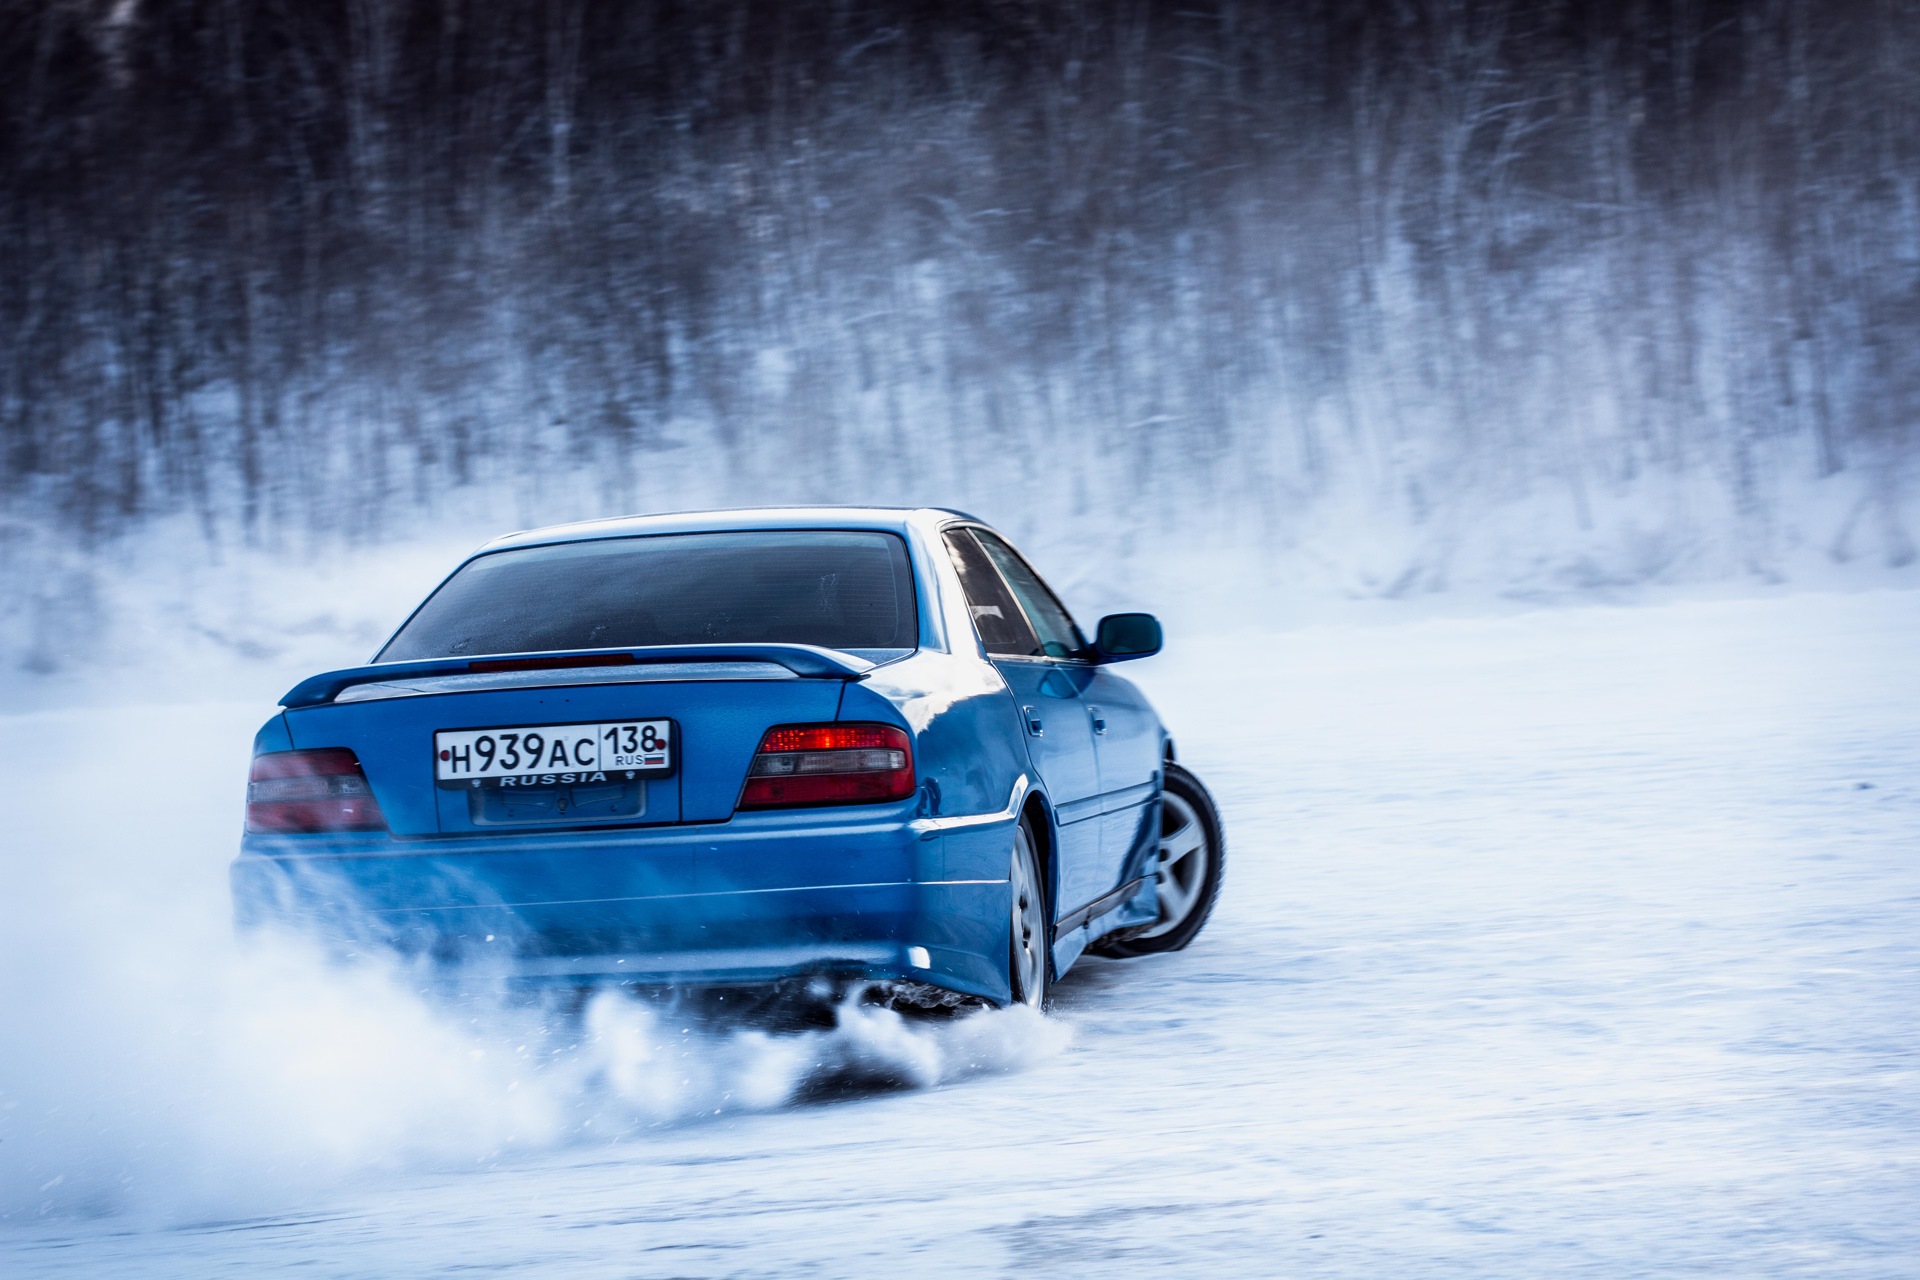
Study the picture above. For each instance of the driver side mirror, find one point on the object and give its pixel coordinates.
(1121, 636)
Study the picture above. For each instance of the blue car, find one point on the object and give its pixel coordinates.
(738, 748)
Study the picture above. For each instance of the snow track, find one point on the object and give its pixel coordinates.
(1582, 942)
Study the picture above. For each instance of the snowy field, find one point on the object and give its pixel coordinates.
(1575, 942)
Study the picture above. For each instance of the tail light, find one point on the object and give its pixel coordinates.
(806, 764)
(311, 791)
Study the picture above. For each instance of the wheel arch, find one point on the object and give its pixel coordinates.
(1039, 816)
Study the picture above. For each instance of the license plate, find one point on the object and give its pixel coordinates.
(547, 755)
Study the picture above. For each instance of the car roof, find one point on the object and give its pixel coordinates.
(735, 519)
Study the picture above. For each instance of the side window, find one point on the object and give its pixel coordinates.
(1003, 628)
(1059, 638)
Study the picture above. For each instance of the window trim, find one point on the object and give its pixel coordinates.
(948, 536)
(1079, 658)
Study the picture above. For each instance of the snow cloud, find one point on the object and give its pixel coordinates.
(158, 1066)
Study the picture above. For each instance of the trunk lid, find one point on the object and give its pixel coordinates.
(720, 705)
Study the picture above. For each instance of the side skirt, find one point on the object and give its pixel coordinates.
(1098, 907)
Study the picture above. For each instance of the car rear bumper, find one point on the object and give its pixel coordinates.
(865, 894)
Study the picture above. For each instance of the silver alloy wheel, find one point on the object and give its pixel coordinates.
(1029, 924)
(1181, 872)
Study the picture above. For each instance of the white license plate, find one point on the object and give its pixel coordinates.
(553, 754)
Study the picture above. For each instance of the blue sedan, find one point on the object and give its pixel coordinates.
(747, 747)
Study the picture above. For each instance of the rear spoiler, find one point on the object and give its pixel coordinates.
(802, 659)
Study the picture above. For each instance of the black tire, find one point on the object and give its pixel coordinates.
(1029, 950)
(1186, 810)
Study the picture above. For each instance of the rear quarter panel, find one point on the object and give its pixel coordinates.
(967, 744)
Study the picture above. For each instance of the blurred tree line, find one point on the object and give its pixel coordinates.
(317, 264)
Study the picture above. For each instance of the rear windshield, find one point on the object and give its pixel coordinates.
(841, 590)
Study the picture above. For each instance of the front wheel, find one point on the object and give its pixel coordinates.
(1192, 856)
(1028, 962)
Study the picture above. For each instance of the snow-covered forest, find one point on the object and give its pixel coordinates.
(1391, 298)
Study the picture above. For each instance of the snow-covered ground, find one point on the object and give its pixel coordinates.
(1580, 941)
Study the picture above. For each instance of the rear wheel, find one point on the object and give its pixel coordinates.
(1028, 963)
(1187, 871)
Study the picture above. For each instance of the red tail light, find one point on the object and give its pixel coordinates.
(807, 764)
(311, 791)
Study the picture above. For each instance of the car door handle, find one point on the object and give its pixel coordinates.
(1034, 726)
(1099, 721)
